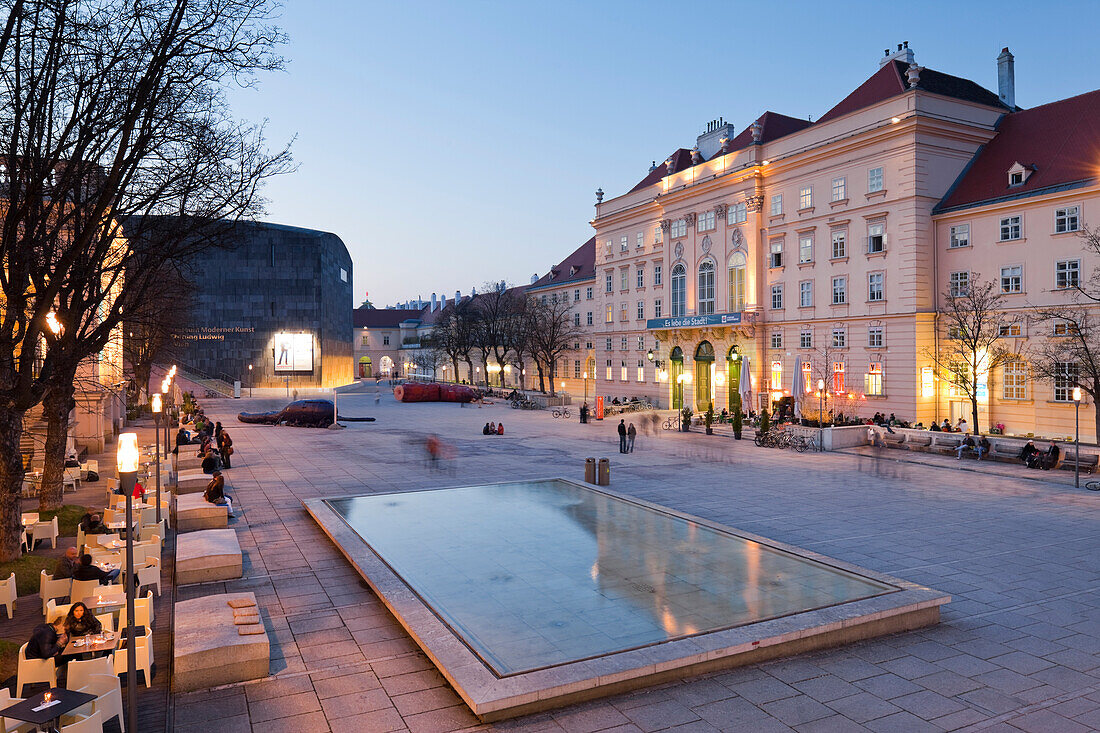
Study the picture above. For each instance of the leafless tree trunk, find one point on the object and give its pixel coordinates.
(552, 333)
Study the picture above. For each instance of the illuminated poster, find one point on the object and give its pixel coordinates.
(293, 352)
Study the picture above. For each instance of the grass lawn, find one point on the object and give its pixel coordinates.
(9, 658)
(29, 566)
(68, 517)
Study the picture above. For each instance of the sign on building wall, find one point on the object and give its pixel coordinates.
(713, 319)
(293, 352)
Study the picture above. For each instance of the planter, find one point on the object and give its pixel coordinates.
(737, 436)
(710, 431)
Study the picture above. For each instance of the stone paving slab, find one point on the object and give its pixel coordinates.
(1018, 555)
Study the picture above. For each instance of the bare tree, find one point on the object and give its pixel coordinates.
(553, 332)
(970, 345)
(430, 356)
(497, 309)
(153, 328)
(110, 112)
(454, 332)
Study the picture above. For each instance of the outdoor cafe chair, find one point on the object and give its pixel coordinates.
(80, 671)
(84, 589)
(108, 696)
(44, 531)
(55, 609)
(143, 612)
(49, 588)
(31, 671)
(8, 594)
(143, 646)
(91, 724)
(72, 478)
(149, 575)
(11, 725)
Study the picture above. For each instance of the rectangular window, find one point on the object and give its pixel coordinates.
(705, 221)
(576, 295)
(958, 284)
(1067, 273)
(874, 337)
(777, 205)
(623, 311)
(365, 340)
(1012, 279)
(576, 369)
(838, 377)
(737, 213)
(777, 295)
(386, 340)
(775, 254)
(641, 343)
(639, 278)
(657, 274)
(960, 236)
(622, 343)
(576, 319)
(679, 228)
(610, 313)
(1065, 380)
(624, 279)
(805, 248)
(1064, 328)
(622, 371)
(622, 243)
(607, 344)
(588, 318)
(840, 244)
(840, 188)
(639, 240)
(874, 180)
(806, 339)
(658, 235)
(840, 290)
(657, 308)
(1014, 380)
(607, 248)
(588, 293)
(777, 375)
(840, 338)
(1010, 330)
(876, 238)
(806, 197)
(777, 340)
(343, 275)
(641, 309)
(609, 370)
(609, 283)
(872, 381)
(875, 287)
(805, 294)
(927, 382)
(641, 370)
(1010, 228)
(1066, 220)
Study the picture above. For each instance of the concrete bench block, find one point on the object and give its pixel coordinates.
(193, 513)
(187, 460)
(192, 481)
(208, 555)
(207, 649)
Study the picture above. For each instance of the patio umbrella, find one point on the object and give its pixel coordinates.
(744, 387)
(798, 389)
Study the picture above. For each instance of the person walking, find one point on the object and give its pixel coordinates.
(622, 436)
(631, 434)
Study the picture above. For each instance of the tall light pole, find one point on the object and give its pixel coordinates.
(1077, 437)
(586, 387)
(250, 380)
(157, 408)
(821, 414)
(127, 463)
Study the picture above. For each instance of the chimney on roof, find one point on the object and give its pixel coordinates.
(443, 302)
(435, 303)
(904, 54)
(1006, 77)
(653, 167)
(710, 142)
(458, 296)
(534, 278)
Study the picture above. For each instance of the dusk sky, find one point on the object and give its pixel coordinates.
(449, 144)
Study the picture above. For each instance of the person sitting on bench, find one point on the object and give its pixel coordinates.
(1050, 458)
(984, 446)
(1030, 455)
(967, 444)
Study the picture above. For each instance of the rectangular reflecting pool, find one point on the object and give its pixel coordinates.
(532, 594)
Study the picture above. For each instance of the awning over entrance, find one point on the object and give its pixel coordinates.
(364, 360)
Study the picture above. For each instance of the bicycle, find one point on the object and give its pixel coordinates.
(561, 412)
(802, 443)
(671, 423)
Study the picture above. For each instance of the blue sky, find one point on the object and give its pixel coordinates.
(449, 144)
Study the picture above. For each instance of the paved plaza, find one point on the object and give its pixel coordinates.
(1017, 649)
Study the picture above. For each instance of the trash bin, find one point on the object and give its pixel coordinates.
(605, 473)
(590, 470)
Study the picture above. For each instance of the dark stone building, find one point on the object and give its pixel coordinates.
(279, 299)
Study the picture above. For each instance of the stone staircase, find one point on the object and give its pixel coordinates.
(210, 384)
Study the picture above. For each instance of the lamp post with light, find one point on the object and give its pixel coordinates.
(250, 381)
(157, 408)
(1077, 437)
(821, 414)
(127, 463)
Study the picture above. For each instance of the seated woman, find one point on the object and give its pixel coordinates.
(209, 462)
(215, 492)
(492, 428)
(500, 429)
(485, 430)
(81, 622)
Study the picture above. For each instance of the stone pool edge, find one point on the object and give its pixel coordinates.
(494, 698)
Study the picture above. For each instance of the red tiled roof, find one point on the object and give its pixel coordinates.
(681, 160)
(383, 317)
(891, 80)
(583, 259)
(1060, 140)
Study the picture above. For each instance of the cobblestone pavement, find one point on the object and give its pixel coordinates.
(1017, 649)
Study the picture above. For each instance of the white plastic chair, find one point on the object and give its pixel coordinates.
(149, 575)
(108, 621)
(149, 515)
(72, 478)
(143, 646)
(49, 588)
(55, 610)
(152, 529)
(84, 589)
(112, 486)
(91, 724)
(80, 671)
(8, 594)
(44, 531)
(31, 671)
(29, 517)
(11, 725)
(108, 696)
(143, 612)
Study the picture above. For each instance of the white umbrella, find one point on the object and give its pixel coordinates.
(744, 387)
(798, 388)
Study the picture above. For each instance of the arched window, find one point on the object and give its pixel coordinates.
(679, 291)
(737, 282)
(706, 288)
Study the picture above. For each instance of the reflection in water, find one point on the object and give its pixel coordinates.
(533, 574)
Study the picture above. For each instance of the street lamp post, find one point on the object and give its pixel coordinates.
(1077, 437)
(250, 380)
(157, 407)
(821, 414)
(127, 463)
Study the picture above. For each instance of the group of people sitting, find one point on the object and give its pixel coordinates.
(215, 492)
(491, 428)
(215, 445)
(80, 567)
(1035, 458)
(968, 445)
(48, 640)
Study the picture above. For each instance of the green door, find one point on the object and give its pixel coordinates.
(675, 376)
(733, 374)
(704, 359)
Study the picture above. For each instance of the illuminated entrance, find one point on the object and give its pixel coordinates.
(704, 367)
(676, 377)
(364, 366)
(733, 369)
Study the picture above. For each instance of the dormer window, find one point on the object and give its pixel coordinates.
(1018, 174)
(573, 271)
